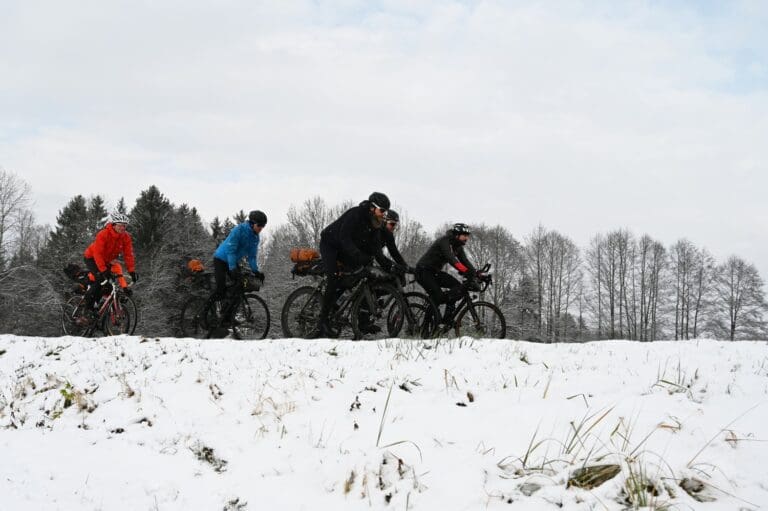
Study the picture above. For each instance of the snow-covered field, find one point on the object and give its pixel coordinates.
(141, 424)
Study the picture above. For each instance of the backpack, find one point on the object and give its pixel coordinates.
(81, 276)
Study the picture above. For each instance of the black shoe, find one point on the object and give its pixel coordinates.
(218, 333)
(321, 331)
(370, 329)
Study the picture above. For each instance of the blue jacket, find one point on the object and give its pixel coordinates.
(241, 242)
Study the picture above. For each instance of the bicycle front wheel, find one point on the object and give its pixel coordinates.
(121, 316)
(250, 320)
(481, 320)
(192, 322)
(301, 312)
(379, 313)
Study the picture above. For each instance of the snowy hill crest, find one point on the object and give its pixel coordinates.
(134, 423)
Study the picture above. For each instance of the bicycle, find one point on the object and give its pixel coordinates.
(370, 305)
(240, 309)
(115, 311)
(471, 317)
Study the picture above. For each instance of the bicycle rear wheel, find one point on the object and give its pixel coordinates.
(418, 304)
(250, 319)
(301, 312)
(481, 320)
(192, 322)
(71, 311)
(121, 316)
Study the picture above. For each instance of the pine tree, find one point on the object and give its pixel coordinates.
(97, 215)
(70, 236)
(150, 220)
(227, 227)
(217, 230)
(240, 217)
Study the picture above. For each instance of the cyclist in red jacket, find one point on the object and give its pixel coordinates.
(110, 242)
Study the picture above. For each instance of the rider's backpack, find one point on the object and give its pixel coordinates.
(80, 275)
(306, 262)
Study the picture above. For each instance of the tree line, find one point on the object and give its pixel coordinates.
(620, 286)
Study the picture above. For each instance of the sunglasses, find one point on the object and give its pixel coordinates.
(383, 210)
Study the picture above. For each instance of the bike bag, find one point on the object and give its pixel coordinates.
(303, 255)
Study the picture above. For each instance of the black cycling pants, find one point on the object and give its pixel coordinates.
(433, 283)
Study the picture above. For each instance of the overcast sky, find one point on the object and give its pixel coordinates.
(582, 116)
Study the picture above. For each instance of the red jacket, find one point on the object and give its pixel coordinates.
(108, 245)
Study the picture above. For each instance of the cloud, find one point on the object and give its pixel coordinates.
(584, 117)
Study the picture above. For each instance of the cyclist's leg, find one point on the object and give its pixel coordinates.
(94, 289)
(428, 279)
(330, 257)
(220, 271)
(451, 296)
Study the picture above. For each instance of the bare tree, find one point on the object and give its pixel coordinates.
(651, 265)
(495, 245)
(14, 197)
(554, 266)
(30, 239)
(740, 300)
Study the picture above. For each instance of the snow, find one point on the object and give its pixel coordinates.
(440, 425)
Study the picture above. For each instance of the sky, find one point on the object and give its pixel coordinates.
(580, 116)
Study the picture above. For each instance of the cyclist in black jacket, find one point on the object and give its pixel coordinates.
(353, 240)
(447, 249)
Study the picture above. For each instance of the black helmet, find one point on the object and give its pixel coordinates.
(379, 200)
(257, 217)
(392, 216)
(460, 228)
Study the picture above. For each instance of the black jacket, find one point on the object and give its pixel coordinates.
(356, 238)
(388, 240)
(445, 250)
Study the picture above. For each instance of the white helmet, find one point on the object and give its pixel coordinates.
(118, 218)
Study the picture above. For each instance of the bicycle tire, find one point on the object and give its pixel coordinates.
(481, 320)
(372, 320)
(70, 311)
(301, 312)
(251, 318)
(120, 317)
(418, 307)
(192, 320)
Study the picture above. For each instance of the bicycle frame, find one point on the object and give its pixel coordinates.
(108, 305)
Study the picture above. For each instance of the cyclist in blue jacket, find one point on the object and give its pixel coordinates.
(243, 241)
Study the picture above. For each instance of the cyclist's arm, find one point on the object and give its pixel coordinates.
(253, 259)
(447, 252)
(462, 257)
(98, 250)
(346, 230)
(394, 253)
(230, 246)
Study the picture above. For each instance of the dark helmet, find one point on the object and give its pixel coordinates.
(379, 200)
(392, 216)
(460, 228)
(257, 217)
